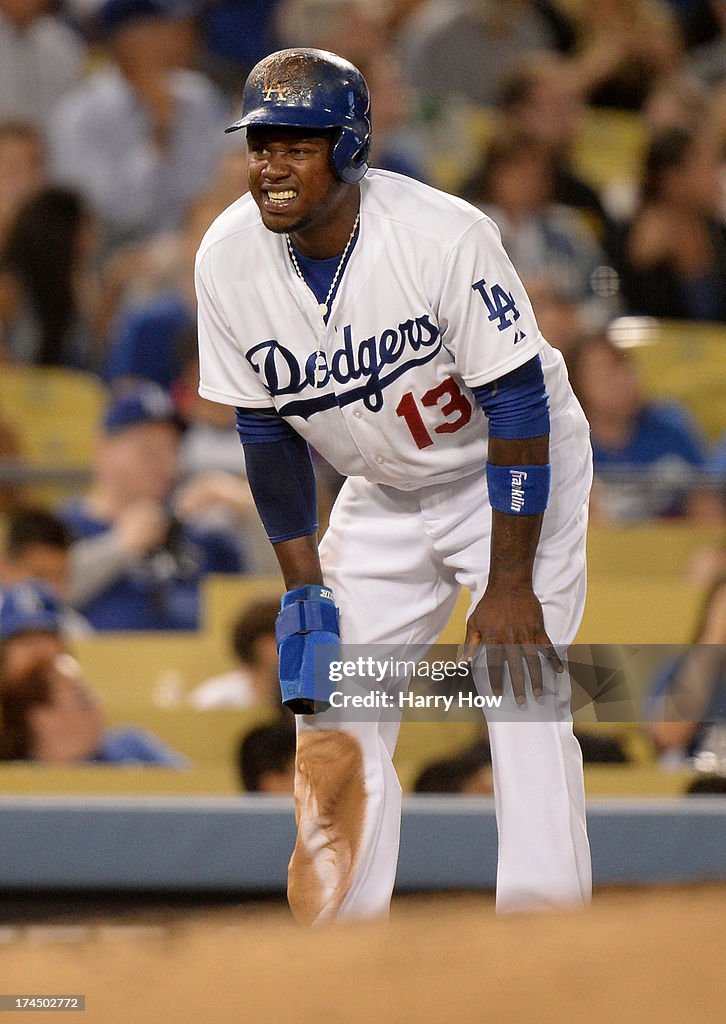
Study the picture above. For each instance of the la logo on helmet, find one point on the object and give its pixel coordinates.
(274, 90)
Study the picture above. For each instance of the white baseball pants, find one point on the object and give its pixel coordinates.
(396, 561)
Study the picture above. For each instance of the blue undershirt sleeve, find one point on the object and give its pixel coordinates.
(516, 405)
(280, 474)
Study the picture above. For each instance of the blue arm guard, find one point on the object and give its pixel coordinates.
(516, 404)
(280, 474)
(308, 640)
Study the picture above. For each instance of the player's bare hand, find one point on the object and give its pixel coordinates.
(508, 623)
(142, 527)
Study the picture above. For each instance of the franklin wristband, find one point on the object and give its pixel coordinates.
(518, 490)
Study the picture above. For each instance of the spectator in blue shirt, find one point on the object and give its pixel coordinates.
(47, 711)
(135, 564)
(649, 455)
(36, 552)
(51, 715)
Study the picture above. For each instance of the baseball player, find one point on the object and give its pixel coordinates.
(381, 322)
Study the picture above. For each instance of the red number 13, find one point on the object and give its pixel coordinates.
(456, 411)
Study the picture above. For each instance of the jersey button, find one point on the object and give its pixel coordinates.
(357, 413)
(380, 460)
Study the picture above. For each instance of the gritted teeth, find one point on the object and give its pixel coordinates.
(280, 197)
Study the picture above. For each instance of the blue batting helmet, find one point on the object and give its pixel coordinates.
(306, 88)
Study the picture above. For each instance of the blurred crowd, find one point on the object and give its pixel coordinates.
(113, 162)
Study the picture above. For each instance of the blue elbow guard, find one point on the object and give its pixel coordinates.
(308, 640)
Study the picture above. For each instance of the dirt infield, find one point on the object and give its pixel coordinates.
(640, 957)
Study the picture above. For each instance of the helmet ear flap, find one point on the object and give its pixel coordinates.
(359, 160)
(350, 156)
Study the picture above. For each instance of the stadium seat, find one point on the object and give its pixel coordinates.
(133, 672)
(647, 550)
(686, 362)
(207, 738)
(116, 781)
(56, 413)
(609, 147)
(226, 596)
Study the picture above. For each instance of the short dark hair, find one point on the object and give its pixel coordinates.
(584, 347)
(707, 785)
(41, 251)
(503, 149)
(667, 150)
(517, 87)
(451, 774)
(257, 619)
(17, 698)
(268, 748)
(32, 526)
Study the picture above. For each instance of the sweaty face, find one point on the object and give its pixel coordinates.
(291, 178)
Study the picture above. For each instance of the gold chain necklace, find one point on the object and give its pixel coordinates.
(324, 306)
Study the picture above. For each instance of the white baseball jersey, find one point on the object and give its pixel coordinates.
(428, 306)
